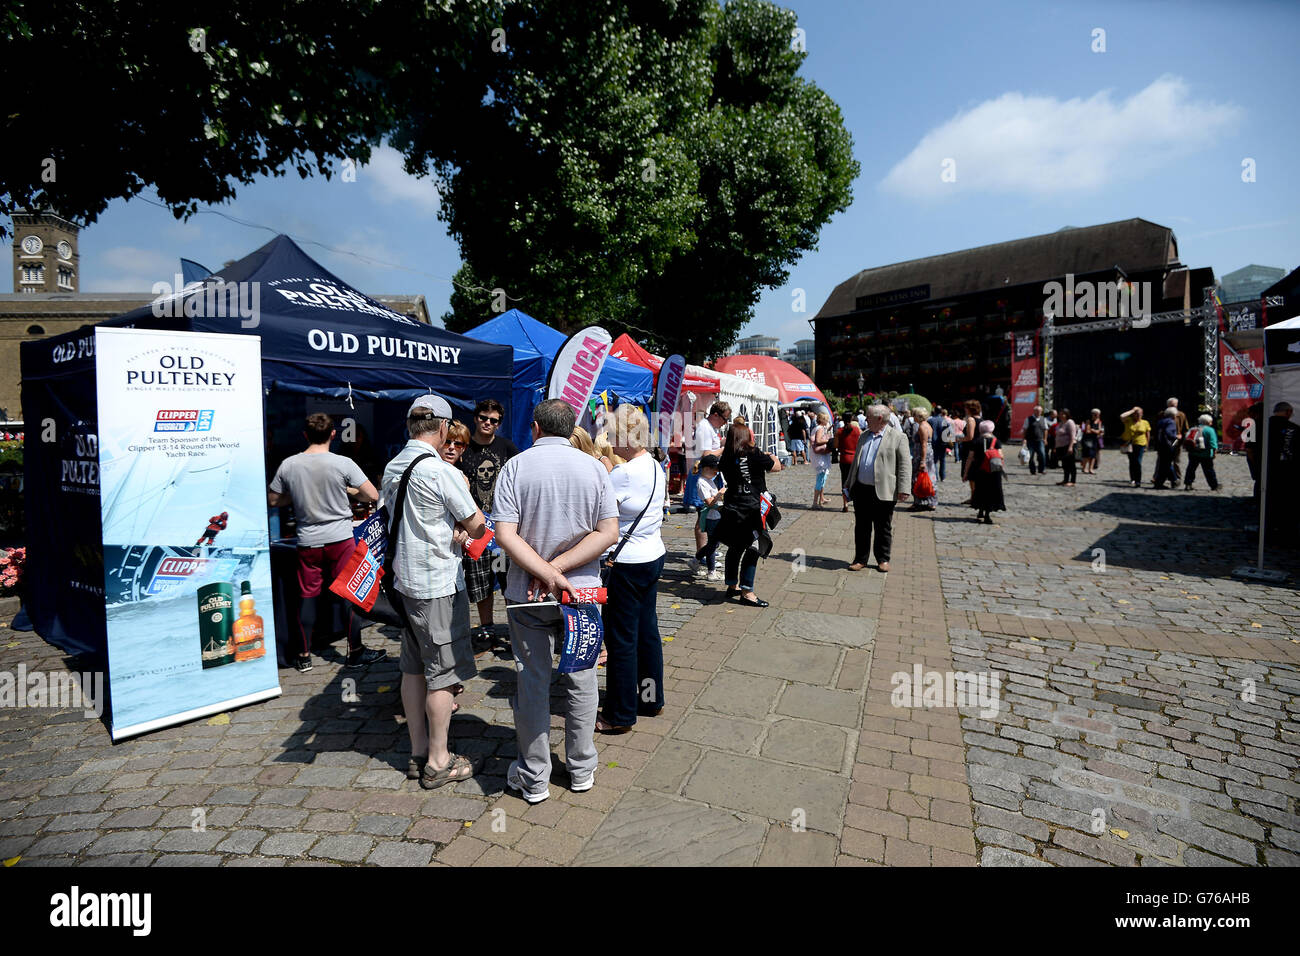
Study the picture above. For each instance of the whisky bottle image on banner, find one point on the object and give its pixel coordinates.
(247, 631)
(216, 623)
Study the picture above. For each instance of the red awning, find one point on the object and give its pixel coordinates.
(627, 349)
(792, 384)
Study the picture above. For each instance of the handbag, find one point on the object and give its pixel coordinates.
(607, 566)
(768, 512)
(993, 462)
(923, 486)
(388, 608)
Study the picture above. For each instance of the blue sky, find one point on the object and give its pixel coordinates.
(1042, 131)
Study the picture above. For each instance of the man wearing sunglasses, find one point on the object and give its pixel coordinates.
(482, 461)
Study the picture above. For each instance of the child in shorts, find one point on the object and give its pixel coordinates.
(709, 514)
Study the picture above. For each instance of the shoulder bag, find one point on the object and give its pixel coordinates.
(607, 565)
(388, 608)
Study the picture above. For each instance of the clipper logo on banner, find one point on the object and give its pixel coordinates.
(671, 375)
(577, 366)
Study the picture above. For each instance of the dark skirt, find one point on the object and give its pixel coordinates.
(988, 492)
(1088, 446)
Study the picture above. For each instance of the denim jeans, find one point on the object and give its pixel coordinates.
(940, 458)
(634, 672)
(1037, 456)
(1135, 463)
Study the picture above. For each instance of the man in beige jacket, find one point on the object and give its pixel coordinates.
(881, 476)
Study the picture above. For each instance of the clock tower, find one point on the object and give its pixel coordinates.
(45, 253)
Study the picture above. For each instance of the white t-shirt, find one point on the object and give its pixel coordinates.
(706, 439)
(634, 484)
(706, 488)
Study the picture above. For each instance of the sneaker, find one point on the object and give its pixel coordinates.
(715, 575)
(697, 569)
(364, 657)
(583, 784)
(303, 664)
(514, 783)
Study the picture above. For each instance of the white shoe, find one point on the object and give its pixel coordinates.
(715, 575)
(514, 783)
(583, 784)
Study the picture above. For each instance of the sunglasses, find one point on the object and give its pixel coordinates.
(486, 418)
(457, 444)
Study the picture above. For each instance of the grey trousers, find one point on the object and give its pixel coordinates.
(535, 637)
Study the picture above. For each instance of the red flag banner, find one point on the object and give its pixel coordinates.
(1024, 380)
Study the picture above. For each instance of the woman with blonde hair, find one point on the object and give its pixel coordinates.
(634, 671)
(605, 451)
(923, 460)
(581, 440)
(821, 455)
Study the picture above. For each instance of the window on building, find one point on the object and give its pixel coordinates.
(65, 278)
(34, 275)
(35, 330)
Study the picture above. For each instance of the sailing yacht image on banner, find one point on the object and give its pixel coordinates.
(187, 567)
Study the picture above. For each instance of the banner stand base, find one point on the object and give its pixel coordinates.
(1251, 573)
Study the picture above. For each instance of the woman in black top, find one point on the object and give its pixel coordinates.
(987, 496)
(745, 469)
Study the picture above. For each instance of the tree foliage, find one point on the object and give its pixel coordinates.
(651, 166)
(195, 98)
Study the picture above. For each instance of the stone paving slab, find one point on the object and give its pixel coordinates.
(1147, 714)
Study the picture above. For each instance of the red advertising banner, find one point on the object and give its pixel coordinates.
(1238, 390)
(1024, 380)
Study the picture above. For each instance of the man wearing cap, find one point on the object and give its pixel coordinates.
(555, 513)
(437, 516)
(319, 483)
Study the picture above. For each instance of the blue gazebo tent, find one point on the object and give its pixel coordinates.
(536, 345)
(320, 337)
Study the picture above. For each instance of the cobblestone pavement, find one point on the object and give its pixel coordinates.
(1119, 732)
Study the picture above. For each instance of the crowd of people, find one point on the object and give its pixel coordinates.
(573, 512)
(576, 512)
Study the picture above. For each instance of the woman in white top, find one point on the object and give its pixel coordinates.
(820, 441)
(634, 671)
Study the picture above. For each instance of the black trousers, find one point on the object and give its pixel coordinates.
(871, 514)
(1207, 466)
(1068, 470)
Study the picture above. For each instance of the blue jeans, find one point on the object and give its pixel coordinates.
(1037, 453)
(1135, 463)
(634, 672)
(940, 457)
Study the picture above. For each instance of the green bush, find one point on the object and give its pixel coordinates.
(917, 401)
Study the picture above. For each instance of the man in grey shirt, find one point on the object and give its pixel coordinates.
(555, 514)
(318, 484)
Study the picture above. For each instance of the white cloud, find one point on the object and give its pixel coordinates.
(131, 269)
(389, 182)
(1040, 145)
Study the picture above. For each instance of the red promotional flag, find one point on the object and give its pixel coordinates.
(1024, 380)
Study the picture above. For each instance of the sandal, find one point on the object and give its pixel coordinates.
(604, 726)
(458, 768)
(415, 767)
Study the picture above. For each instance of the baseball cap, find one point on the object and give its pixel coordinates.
(429, 406)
